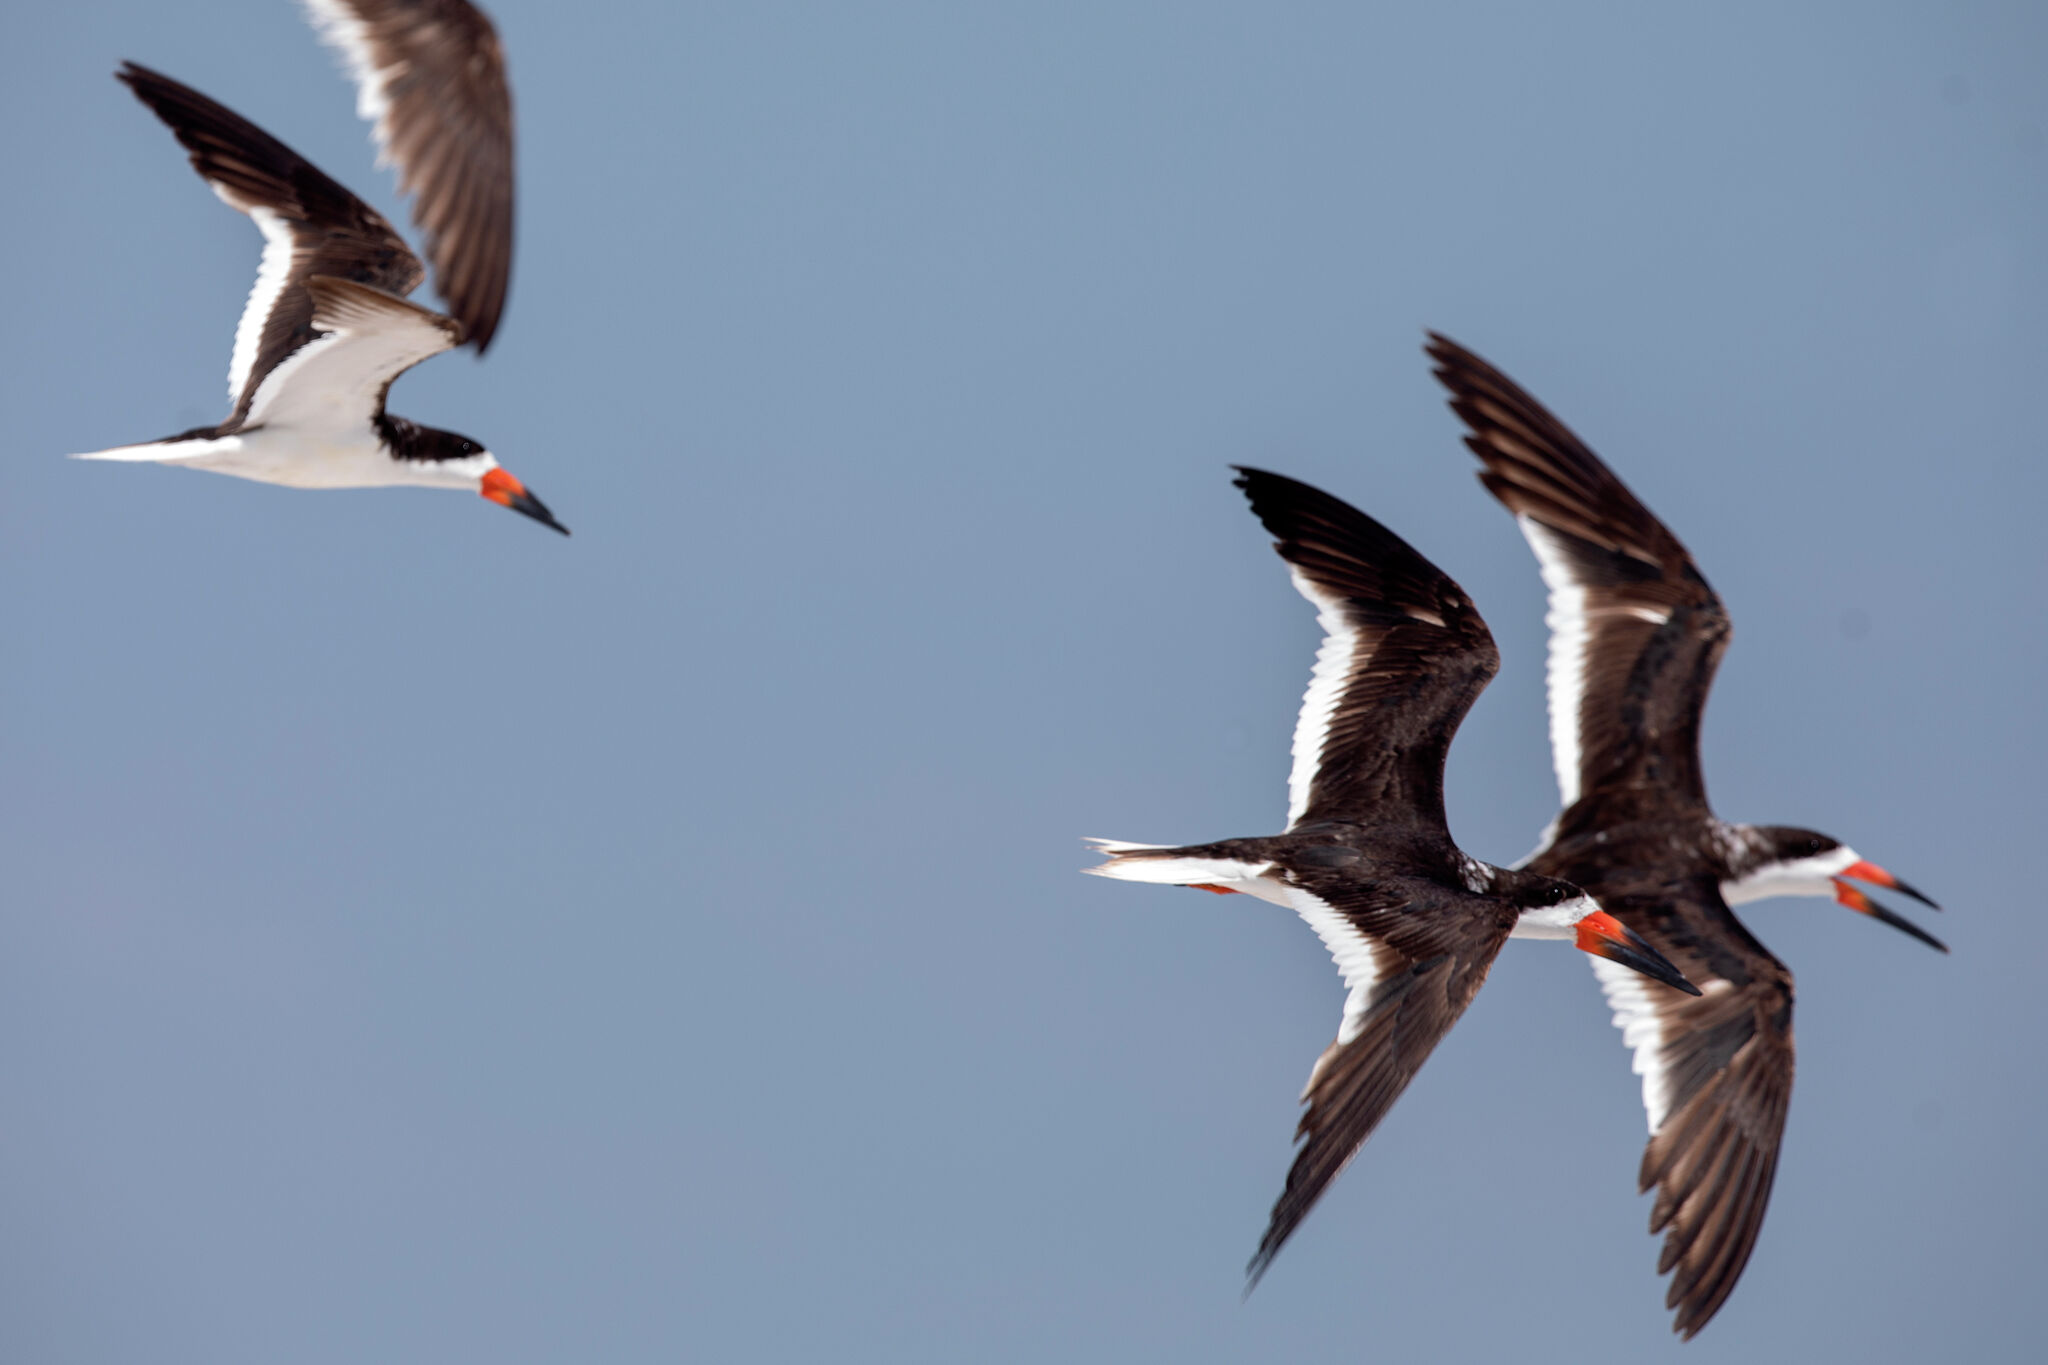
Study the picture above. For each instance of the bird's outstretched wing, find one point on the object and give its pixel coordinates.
(1403, 658)
(430, 76)
(1717, 1081)
(1411, 976)
(311, 226)
(1630, 613)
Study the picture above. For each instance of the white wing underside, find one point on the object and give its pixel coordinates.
(1335, 661)
(271, 276)
(1349, 949)
(1571, 623)
(336, 382)
(1642, 1030)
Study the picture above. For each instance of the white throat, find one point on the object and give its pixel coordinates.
(1554, 921)
(1800, 877)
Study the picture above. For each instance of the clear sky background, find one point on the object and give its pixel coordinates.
(425, 938)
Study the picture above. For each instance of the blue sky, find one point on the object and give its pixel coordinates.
(427, 938)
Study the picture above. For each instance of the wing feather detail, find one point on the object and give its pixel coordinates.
(1717, 1086)
(367, 339)
(311, 226)
(1405, 1011)
(1636, 632)
(430, 79)
(1403, 658)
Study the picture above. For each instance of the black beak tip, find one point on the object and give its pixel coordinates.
(1885, 915)
(528, 505)
(1916, 931)
(1929, 939)
(1905, 890)
(1651, 963)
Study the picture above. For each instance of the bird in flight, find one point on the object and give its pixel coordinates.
(1367, 857)
(1635, 637)
(328, 327)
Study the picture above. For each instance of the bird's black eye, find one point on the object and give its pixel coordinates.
(468, 446)
(1813, 845)
(1554, 896)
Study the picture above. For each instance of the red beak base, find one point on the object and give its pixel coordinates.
(1602, 935)
(1850, 896)
(501, 487)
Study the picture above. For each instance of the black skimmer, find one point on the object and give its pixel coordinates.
(1367, 858)
(326, 331)
(1635, 636)
(430, 78)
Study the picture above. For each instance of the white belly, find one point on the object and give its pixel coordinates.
(299, 457)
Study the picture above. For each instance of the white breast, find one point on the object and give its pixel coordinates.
(297, 458)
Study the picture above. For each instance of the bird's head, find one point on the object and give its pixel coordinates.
(1549, 908)
(1783, 860)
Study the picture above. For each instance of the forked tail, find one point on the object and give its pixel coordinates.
(1222, 868)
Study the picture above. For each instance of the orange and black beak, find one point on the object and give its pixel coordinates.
(1602, 935)
(1867, 871)
(500, 487)
(1864, 905)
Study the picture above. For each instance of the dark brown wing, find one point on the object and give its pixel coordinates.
(1636, 633)
(1717, 1080)
(1426, 969)
(311, 226)
(1404, 657)
(430, 74)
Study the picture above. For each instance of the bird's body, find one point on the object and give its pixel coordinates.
(346, 457)
(1367, 858)
(328, 328)
(1636, 636)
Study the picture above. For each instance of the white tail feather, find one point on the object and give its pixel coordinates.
(1118, 845)
(1128, 863)
(164, 452)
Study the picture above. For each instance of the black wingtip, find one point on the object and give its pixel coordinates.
(1253, 1273)
(1287, 507)
(1447, 357)
(135, 76)
(141, 79)
(1261, 1261)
